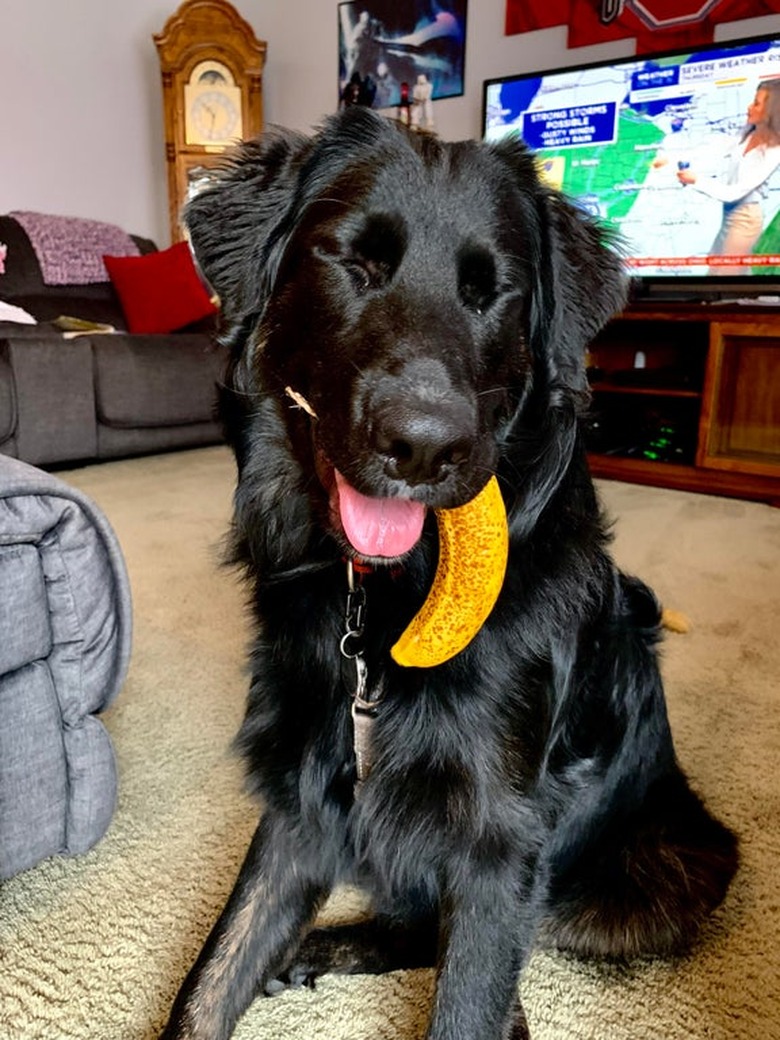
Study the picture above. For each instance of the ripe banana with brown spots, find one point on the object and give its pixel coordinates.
(473, 550)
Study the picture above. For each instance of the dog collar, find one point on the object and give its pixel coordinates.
(358, 566)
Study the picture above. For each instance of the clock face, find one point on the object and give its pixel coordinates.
(212, 106)
(214, 116)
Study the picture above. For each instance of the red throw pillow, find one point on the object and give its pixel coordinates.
(160, 291)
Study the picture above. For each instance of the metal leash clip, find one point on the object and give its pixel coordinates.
(354, 617)
(364, 708)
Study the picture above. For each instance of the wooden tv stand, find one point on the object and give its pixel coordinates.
(687, 395)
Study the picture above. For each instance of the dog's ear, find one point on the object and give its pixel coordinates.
(240, 224)
(577, 283)
(237, 224)
(579, 280)
(581, 284)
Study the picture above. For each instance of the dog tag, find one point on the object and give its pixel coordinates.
(363, 721)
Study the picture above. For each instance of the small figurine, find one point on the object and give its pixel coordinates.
(350, 95)
(422, 108)
(358, 91)
(405, 105)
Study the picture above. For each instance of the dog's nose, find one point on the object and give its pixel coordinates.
(424, 442)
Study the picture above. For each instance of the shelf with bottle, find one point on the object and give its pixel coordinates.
(649, 358)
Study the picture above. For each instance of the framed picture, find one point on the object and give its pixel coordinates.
(384, 44)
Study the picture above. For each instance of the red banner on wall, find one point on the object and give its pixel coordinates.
(656, 25)
(527, 15)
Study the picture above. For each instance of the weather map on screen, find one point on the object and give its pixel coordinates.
(615, 136)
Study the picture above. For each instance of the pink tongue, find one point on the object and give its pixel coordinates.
(379, 526)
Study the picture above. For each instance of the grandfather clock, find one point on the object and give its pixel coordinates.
(212, 78)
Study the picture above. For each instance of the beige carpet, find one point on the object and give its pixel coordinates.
(93, 948)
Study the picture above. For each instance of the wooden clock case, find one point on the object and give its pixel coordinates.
(205, 35)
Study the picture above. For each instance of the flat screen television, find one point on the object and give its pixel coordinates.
(614, 134)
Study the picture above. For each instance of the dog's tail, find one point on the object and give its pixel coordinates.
(645, 885)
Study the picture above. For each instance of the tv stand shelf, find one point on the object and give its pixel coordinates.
(687, 396)
(604, 387)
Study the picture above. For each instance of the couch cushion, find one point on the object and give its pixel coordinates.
(33, 770)
(120, 441)
(7, 396)
(22, 270)
(55, 399)
(155, 380)
(159, 292)
(70, 301)
(24, 615)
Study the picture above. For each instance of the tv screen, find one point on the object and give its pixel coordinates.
(653, 146)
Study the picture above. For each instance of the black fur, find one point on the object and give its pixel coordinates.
(432, 303)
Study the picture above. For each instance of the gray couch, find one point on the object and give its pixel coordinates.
(97, 396)
(65, 637)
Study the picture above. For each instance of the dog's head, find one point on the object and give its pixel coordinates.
(427, 304)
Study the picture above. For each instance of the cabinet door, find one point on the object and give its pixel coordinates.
(740, 420)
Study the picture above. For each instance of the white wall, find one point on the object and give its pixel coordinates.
(81, 130)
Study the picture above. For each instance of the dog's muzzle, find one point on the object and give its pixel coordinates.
(422, 428)
(413, 445)
(422, 442)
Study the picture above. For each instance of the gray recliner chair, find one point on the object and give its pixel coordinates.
(65, 639)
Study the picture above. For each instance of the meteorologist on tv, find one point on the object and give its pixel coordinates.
(741, 185)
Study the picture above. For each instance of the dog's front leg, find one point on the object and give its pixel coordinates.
(487, 932)
(275, 897)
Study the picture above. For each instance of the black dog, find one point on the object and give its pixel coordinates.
(408, 318)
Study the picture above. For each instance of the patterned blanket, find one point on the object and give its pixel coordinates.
(70, 249)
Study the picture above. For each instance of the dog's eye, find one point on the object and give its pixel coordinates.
(375, 251)
(359, 275)
(476, 279)
(367, 274)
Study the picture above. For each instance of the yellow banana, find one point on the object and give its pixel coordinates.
(473, 549)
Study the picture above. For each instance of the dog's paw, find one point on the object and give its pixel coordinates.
(297, 976)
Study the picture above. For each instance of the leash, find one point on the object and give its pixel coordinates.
(365, 702)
